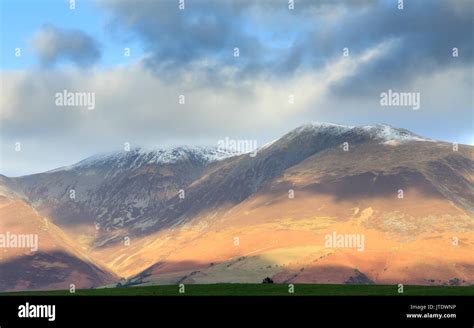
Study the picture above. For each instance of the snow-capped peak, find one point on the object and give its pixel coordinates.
(140, 156)
(324, 126)
(387, 133)
(137, 157)
(382, 132)
(317, 127)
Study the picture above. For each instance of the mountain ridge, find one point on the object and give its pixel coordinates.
(160, 155)
(188, 207)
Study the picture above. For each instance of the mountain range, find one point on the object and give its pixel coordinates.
(207, 215)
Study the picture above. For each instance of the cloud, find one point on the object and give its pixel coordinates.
(426, 31)
(277, 42)
(176, 39)
(54, 44)
(282, 53)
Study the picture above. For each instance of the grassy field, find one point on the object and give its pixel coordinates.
(262, 290)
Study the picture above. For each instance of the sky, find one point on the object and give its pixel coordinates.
(237, 64)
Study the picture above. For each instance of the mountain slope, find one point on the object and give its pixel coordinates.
(241, 217)
(408, 240)
(118, 191)
(55, 262)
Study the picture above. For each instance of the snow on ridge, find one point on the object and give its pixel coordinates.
(267, 145)
(326, 125)
(140, 156)
(320, 127)
(389, 134)
(384, 132)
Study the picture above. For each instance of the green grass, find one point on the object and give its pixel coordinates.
(262, 290)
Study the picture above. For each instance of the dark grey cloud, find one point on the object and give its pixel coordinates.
(278, 42)
(209, 30)
(53, 44)
(425, 33)
(206, 32)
